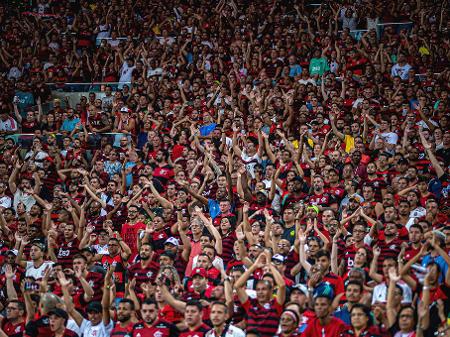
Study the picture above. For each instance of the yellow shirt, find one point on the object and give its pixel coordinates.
(349, 143)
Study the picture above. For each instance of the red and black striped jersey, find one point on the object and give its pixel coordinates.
(96, 281)
(66, 251)
(143, 274)
(263, 318)
(227, 246)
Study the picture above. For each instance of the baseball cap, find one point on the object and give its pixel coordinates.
(39, 244)
(278, 258)
(199, 271)
(11, 252)
(124, 109)
(314, 207)
(59, 312)
(172, 241)
(94, 307)
(168, 254)
(300, 287)
(324, 289)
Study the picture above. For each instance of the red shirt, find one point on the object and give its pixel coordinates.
(334, 328)
(130, 233)
(199, 331)
(336, 282)
(13, 330)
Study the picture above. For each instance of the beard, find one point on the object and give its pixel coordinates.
(123, 319)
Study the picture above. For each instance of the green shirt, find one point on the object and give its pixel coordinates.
(318, 66)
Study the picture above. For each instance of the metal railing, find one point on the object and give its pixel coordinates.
(99, 40)
(26, 139)
(86, 87)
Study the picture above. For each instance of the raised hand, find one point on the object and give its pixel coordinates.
(240, 234)
(376, 251)
(62, 279)
(261, 261)
(393, 275)
(302, 236)
(9, 272)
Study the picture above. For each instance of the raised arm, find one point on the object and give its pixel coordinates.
(106, 303)
(438, 168)
(178, 305)
(374, 266)
(339, 134)
(13, 177)
(301, 251)
(281, 284)
(70, 308)
(241, 282)
(390, 305)
(211, 229)
(163, 201)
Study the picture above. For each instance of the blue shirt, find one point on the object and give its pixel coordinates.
(214, 209)
(26, 99)
(69, 125)
(295, 70)
(439, 260)
(343, 314)
(205, 130)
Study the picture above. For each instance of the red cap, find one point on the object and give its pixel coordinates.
(199, 271)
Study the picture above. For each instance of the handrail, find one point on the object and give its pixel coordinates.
(87, 83)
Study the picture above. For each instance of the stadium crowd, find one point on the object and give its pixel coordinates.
(250, 168)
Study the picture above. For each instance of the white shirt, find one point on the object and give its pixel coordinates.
(250, 162)
(126, 72)
(15, 73)
(217, 263)
(39, 158)
(102, 250)
(9, 125)
(165, 40)
(231, 332)
(25, 198)
(401, 71)
(5, 202)
(99, 330)
(380, 293)
(388, 137)
(36, 273)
